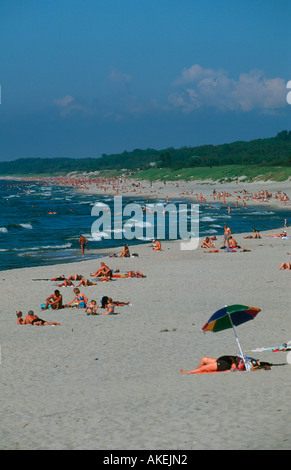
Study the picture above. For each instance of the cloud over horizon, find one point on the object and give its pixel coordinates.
(200, 87)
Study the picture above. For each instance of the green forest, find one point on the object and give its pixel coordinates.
(267, 153)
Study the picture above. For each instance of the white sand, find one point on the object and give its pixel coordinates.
(113, 382)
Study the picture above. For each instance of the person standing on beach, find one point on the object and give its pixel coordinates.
(226, 235)
(83, 241)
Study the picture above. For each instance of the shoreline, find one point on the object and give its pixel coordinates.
(229, 194)
(130, 188)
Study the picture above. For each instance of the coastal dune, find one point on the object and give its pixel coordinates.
(113, 381)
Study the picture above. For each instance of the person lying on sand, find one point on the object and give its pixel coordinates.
(207, 243)
(80, 299)
(66, 283)
(75, 277)
(32, 319)
(285, 266)
(256, 234)
(55, 301)
(104, 301)
(103, 271)
(283, 234)
(58, 278)
(251, 236)
(86, 283)
(135, 274)
(91, 309)
(222, 363)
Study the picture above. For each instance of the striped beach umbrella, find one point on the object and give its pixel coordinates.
(229, 317)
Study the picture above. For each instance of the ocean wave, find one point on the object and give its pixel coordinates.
(97, 236)
(262, 213)
(3, 230)
(207, 219)
(44, 247)
(26, 226)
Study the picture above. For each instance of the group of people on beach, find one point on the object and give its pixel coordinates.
(80, 300)
(107, 304)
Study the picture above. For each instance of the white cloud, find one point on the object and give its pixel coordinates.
(68, 104)
(199, 87)
(118, 77)
(65, 101)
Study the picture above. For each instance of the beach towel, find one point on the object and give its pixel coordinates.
(283, 347)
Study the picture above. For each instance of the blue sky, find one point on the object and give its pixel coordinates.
(80, 78)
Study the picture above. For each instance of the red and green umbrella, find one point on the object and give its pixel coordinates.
(229, 317)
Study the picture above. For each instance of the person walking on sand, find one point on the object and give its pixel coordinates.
(83, 241)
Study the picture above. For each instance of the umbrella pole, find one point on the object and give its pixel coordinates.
(236, 337)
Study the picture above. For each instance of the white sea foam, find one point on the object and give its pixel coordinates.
(207, 219)
(44, 247)
(27, 226)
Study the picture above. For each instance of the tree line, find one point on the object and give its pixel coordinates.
(273, 151)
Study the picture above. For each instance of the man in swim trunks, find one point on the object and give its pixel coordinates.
(83, 241)
(226, 235)
(32, 319)
(232, 243)
(103, 271)
(55, 301)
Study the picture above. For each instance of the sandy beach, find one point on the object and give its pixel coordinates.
(113, 381)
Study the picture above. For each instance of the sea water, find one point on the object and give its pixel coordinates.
(40, 223)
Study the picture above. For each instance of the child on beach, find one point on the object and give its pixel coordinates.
(109, 307)
(19, 317)
(91, 309)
